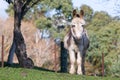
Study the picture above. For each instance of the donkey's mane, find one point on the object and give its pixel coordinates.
(69, 33)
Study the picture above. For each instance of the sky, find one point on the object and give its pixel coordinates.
(109, 6)
(3, 6)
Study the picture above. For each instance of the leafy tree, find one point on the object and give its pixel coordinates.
(45, 6)
(88, 12)
(101, 19)
(61, 11)
(43, 22)
(20, 8)
(104, 33)
(10, 10)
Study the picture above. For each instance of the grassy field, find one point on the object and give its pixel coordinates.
(12, 73)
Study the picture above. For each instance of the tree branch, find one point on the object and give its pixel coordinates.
(27, 6)
(9, 1)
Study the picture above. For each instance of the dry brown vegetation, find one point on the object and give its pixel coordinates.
(42, 53)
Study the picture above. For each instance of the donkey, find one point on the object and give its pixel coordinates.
(76, 42)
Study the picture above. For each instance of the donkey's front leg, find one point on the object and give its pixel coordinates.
(83, 62)
(72, 62)
(79, 63)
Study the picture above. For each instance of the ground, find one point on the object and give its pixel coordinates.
(16, 73)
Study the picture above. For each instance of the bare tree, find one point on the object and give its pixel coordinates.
(18, 46)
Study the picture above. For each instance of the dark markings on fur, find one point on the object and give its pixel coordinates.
(69, 39)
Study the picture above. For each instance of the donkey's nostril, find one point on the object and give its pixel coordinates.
(73, 25)
(83, 25)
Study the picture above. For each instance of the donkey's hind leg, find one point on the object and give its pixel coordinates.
(72, 62)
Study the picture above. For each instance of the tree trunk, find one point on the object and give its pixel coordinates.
(11, 54)
(18, 39)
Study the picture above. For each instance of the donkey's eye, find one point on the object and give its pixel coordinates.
(73, 25)
(83, 25)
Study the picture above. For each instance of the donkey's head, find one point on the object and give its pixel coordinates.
(76, 25)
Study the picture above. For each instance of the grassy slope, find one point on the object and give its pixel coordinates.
(9, 73)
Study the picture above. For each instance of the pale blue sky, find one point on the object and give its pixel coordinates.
(3, 6)
(96, 5)
(109, 6)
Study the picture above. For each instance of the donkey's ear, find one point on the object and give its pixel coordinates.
(81, 13)
(74, 13)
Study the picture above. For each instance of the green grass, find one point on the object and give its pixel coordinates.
(11, 73)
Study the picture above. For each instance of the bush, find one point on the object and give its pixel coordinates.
(115, 67)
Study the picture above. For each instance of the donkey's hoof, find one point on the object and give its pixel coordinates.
(72, 72)
(79, 73)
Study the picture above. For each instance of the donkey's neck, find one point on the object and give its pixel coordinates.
(78, 41)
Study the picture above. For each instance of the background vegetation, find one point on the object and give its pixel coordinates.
(103, 31)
